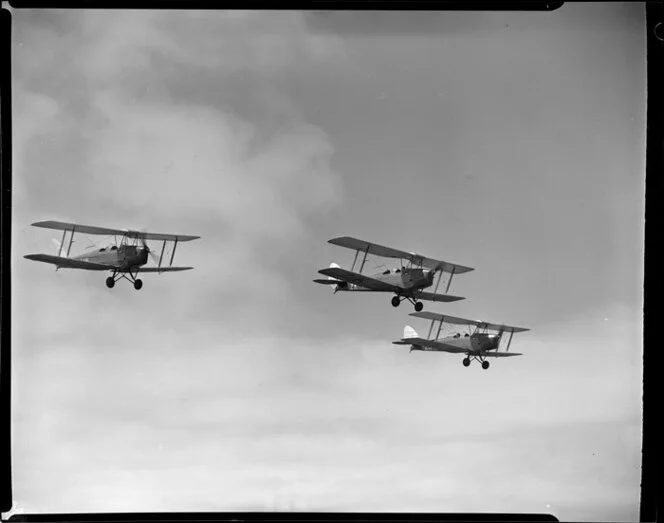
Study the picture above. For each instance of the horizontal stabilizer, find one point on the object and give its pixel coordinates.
(328, 282)
(68, 263)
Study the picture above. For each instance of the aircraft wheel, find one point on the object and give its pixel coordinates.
(466, 362)
(485, 365)
(396, 301)
(110, 282)
(419, 306)
(138, 284)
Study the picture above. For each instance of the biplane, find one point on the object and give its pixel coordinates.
(125, 259)
(407, 282)
(477, 345)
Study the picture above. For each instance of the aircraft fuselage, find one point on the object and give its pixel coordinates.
(407, 278)
(473, 343)
(123, 257)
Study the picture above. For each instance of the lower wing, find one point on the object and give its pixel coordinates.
(431, 345)
(501, 354)
(430, 296)
(359, 279)
(69, 263)
(161, 269)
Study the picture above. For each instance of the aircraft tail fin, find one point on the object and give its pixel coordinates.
(336, 286)
(335, 283)
(409, 332)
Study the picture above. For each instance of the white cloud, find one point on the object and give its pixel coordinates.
(296, 424)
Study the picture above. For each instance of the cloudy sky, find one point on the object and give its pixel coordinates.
(510, 142)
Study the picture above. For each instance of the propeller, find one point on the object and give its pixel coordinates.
(150, 252)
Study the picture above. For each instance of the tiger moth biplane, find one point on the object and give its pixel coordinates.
(477, 345)
(407, 282)
(124, 260)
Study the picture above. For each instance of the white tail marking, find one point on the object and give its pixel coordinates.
(333, 265)
(409, 332)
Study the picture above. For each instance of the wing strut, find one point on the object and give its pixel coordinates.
(450, 280)
(62, 242)
(163, 246)
(440, 277)
(175, 244)
(442, 319)
(71, 240)
(430, 329)
(355, 260)
(364, 259)
(509, 341)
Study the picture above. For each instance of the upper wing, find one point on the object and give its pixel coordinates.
(159, 236)
(389, 252)
(85, 229)
(373, 248)
(441, 265)
(455, 320)
(161, 269)
(359, 279)
(439, 297)
(105, 231)
(431, 345)
(69, 263)
(500, 327)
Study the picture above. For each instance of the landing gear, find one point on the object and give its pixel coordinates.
(127, 275)
(477, 357)
(396, 300)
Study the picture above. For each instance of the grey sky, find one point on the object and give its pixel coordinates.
(509, 142)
